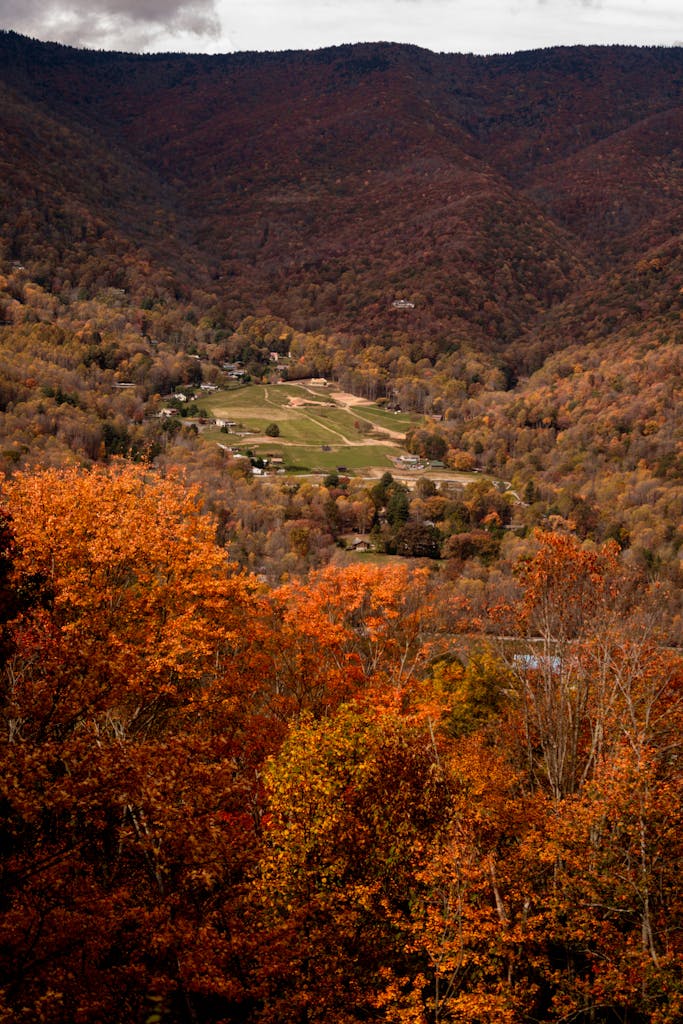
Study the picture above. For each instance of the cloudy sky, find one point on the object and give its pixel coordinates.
(218, 26)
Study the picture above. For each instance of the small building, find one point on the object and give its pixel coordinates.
(361, 544)
(235, 371)
(537, 662)
(402, 304)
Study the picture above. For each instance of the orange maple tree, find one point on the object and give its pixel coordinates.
(124, 699)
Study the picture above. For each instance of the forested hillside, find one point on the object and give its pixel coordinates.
(291, 744)
(525, 210)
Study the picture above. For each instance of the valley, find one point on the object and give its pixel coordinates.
(318, 427)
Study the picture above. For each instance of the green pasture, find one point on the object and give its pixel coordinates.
(256, 405)
(354, 459)
(316, 435)
(401, 421)
(307, 458)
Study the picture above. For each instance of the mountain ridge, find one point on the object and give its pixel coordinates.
(227, 134)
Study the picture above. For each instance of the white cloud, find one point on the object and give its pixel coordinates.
(484, 26)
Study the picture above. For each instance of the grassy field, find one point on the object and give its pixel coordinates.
(318, 433)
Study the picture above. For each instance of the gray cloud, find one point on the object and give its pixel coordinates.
(109, 24)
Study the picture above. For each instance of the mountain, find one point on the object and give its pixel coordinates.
(258, 767)
(320, 186)
(494, 242)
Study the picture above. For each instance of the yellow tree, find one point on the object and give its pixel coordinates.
(352, 805)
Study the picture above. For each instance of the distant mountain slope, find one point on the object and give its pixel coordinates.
(624, 193)
(322, 186)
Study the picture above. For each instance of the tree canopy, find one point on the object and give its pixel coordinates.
(339, 799)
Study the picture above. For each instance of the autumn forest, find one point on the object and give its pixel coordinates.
(341, 507)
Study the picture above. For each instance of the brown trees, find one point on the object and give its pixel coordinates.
(572, 602)
(598, 702)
